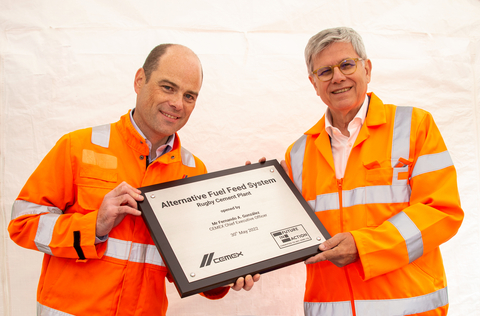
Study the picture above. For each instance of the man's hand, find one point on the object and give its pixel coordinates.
(263, 159)
(284, 165)
(339, 250)
(245, 283)
(115, 206)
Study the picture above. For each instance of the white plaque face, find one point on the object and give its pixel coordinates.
(214, 228)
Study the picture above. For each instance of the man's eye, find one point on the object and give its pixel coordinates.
(168, 88)
(190, 97)
(347, 64)
(324, 71)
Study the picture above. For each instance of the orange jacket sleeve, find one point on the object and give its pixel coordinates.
(434, 206)
(41, 217)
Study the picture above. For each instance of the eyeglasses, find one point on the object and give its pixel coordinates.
(347, 67)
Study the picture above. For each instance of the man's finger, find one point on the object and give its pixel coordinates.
(238, 284)
(332, 242)
(248, 162)
(284, 165)
(318, 258)
(129, 210)
(125, 188)
(125, 199)
(248, 283)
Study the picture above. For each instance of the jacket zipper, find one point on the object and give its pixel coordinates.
(340, 195)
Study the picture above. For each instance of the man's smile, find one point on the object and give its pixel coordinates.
(341, 90)
(169, 116)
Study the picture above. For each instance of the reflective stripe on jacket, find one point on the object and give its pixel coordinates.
(56, 213)
(400, 201)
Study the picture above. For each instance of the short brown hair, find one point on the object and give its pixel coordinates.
(151, 63)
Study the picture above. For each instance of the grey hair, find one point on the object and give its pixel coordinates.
(321, 40)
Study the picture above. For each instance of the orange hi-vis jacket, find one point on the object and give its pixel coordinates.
(399, 200)
(56, 213)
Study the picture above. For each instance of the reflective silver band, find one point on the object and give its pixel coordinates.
(43, 310)
(21, 207)
(388, 194)
(101, 135)
(43, 238)
(46, 222)
(401, 133)
(134, 252)
(411, 234)
(296, 158)
(343, 308)
(187, 158)
(116, 248)
(403, 306)
(433, 162)
(325, 202)
(363, 196)
(384, 307)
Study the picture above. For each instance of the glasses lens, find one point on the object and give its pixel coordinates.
(324, 73)
(348, 66)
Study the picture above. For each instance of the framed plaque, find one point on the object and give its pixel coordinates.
(214, 228)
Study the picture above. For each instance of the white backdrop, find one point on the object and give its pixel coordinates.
(66, 65)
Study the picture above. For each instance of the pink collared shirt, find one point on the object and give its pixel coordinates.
(341, 144)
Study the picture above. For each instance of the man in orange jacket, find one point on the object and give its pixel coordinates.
(381, 180)
(79, 207)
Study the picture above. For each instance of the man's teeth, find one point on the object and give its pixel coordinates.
(340, 91)
(170, 116)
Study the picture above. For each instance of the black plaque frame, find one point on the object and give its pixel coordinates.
(186, 288)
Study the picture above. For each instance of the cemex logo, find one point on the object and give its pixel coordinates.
(207, 258)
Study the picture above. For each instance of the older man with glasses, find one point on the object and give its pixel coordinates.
(381, 180)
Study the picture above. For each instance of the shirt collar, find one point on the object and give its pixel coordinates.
(360, 116)
(162, 149)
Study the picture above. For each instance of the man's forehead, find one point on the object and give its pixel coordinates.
(175, 78)
(174, 63)
(335, 53)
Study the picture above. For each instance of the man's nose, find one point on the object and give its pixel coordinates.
(337, 75)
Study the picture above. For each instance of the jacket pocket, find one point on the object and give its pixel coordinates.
(377, 195)
(92, 186)
(152, 298)
(379, 176)
(91, 288)
(387, 193)
(94, 175)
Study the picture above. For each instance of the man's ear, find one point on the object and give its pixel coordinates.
(139, 80)
(368, 69)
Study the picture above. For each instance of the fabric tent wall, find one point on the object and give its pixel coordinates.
(66, 65)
